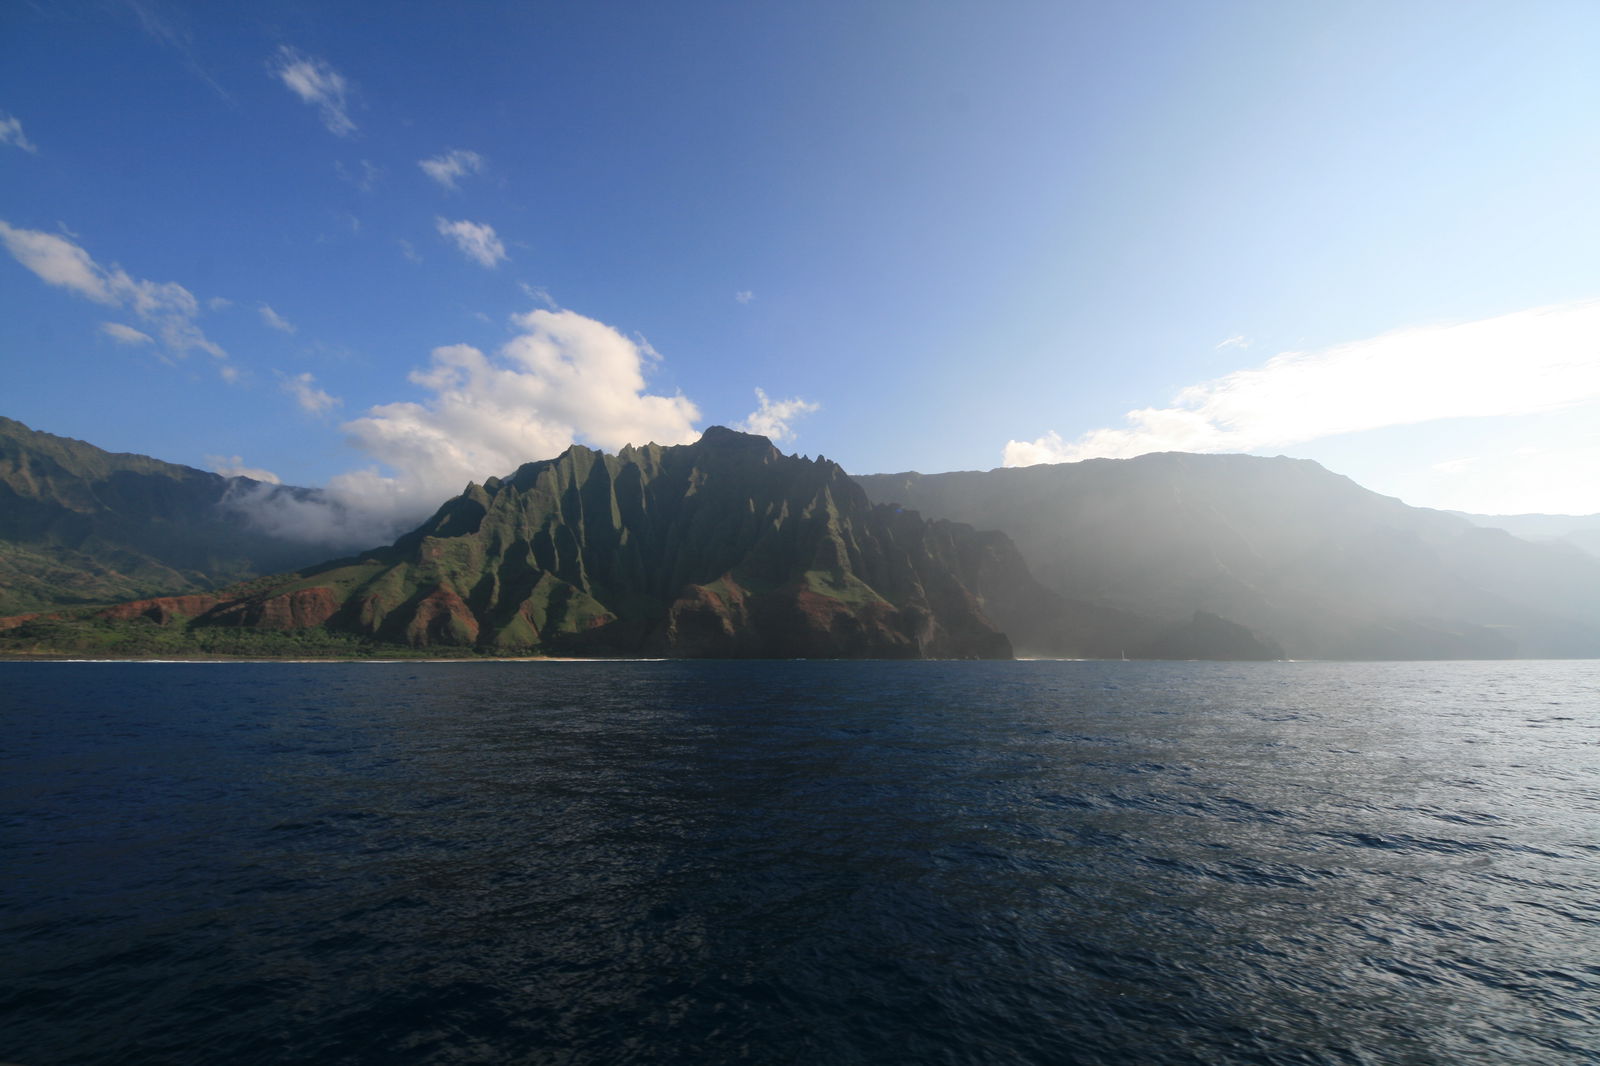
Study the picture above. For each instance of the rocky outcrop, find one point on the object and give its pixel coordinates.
(299, 609)
(162, 609)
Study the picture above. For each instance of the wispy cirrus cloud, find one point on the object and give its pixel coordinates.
(166, 307)
(366, 180)
(1516, 364)
(449, 168)
(540, 294)
(175, 36)
(312, 400)
(318, 84)
(125, 334)
(275, 320)
(11, 133)
(772, 418)
(476, 240)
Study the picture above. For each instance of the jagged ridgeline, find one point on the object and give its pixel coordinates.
(725, 547)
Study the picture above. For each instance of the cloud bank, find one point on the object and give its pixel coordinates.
(1516, 364)
(562, 379)
(771, 420)
(166, 307)
(317, 84)
(476, 240)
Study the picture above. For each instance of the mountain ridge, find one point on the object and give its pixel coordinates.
(1165, 555)
(724, 547)
(1324, 566)
(79, 524)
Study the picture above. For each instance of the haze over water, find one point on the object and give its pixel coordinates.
(708, 862)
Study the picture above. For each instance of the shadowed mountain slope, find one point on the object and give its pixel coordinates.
(1299, 555)
(82, 525)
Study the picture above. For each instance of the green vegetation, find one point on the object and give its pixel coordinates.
(87, 637)
(81, 525)
(724, 547)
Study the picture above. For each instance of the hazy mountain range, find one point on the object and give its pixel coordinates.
(1574, 531)
(727, 547)
(1299, 555)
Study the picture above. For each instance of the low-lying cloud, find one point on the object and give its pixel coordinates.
(562, 379)
(1516, 364)
(234, 466)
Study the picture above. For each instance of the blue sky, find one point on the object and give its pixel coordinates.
(389, 247)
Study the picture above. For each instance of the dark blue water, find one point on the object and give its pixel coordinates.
(800, 863)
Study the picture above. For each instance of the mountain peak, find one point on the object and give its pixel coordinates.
(723, 437)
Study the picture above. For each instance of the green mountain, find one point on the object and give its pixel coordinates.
(81, 525)
(1304, 558)
(725, 547)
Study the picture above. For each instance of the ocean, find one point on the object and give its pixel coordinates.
(799, 862)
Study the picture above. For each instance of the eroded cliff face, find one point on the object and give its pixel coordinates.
(724, 548)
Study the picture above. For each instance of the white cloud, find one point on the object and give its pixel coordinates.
(1555, 478)
(303, 387)
(771, 420)
(476, 240)
(1238, 340)
(233, 466)
(275, 320)
(540, 294)
(446, 169)
(58, 261)
(319, 85)
(1516, 364)
(125, 334)
(167, 307)
(407, 250)
(11, 133)
(563, 379)
(219, 303)
(744, 296)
